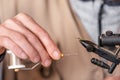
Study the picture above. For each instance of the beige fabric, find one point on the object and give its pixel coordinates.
(57, 17)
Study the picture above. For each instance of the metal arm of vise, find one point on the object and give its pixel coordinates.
(110, 40)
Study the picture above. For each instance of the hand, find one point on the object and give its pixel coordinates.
(26, 39)
(112, 78)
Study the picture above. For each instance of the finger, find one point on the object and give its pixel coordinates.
(9, 44)
(112, 78)
(21, 41)
(19, 27)
(41, 33)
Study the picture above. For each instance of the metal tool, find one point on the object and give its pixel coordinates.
(108, 48)
(16, 64)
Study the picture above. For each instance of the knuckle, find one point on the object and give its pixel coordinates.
(8, 21)
(14, 48)
(5, 41)
(33, 57)
(32, 38)
(23, 15)
(11, 23)
(18, 36)
(33, 52)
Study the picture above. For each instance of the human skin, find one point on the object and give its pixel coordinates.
(27, 39)
(112, 78)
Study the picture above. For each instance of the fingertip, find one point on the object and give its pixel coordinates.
(56, 55)
(47, 63)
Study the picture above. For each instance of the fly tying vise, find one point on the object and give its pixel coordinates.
(108, 48)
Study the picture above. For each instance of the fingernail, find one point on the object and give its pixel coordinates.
(47, 63)
(23, 56)
(56, 55)
(36, 59)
